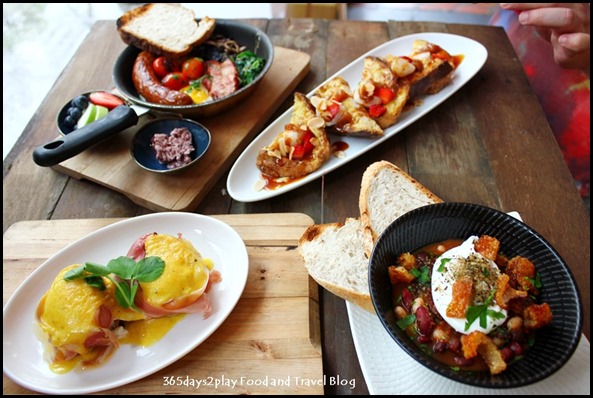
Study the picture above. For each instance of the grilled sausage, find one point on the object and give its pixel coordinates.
(148, 85)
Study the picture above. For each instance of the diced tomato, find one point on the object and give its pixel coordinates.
(333, 109)
(387, 95)
(441, 55)
(107, 100)
(307, 145)
(377, 110)
(299, 152)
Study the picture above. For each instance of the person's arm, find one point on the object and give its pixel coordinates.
(566, 26)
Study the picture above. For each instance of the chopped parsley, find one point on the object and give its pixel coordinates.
(444, 262)
(481, 312)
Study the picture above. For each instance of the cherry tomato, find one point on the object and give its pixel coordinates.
(175, 81)
(162, 66)
(193, 68)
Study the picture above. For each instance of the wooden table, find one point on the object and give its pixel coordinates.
(488, 144)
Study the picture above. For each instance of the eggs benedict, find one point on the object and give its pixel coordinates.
(182, 286)
(77, 321)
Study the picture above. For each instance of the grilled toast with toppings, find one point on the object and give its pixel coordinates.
(434, 68)
(381, 92)
(334, 103)
(301, 148)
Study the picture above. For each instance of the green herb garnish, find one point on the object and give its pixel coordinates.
(421, 274)
(536, 282)
(126, 269)
(444, 261)
(455, 368)
(406, 321)
(481, 312)
(248, 65)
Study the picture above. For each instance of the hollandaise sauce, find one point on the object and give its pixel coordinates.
(147, 332)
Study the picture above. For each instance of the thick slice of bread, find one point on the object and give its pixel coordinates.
(164, 29)
(334, 256)
(337, 255)
(386, 193)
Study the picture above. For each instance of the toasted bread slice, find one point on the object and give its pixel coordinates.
(164, 29)
(436, 67)
(337, 255)
(376, 75)
(386, 193)
(353, 118)
(301, 148)
(334, 256)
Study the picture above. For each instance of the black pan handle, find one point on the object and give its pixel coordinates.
(83, 138)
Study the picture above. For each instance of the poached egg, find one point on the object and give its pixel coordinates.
(464, 261)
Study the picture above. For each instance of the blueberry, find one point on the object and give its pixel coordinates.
(80, 102)
(75, 113)
(70, 121)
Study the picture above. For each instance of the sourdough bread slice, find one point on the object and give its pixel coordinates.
(164, 29)
(386, 193)
(334, 256)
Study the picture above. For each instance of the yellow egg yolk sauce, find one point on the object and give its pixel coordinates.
(147, 332)
(186, 272)
(66, 315)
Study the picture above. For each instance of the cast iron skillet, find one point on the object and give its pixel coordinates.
(246, 35)
(72, 144)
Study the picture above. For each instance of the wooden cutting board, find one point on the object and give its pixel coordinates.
(281, 343)
(110, 163)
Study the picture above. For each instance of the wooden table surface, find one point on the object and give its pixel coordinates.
(488, 144)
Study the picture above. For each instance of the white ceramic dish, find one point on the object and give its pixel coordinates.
(389, 370)
(23, 352)
(244, 174)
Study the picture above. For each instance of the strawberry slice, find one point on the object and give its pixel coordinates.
(107, 100)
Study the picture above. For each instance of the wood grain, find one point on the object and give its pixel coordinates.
(272, 334)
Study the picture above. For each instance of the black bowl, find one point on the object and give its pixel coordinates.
(145, 155)
(247, 35)
(554, 344)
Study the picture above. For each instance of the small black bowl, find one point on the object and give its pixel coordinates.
(554, 343)
(145, 155)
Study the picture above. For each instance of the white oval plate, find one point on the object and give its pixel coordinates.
(244, 174)
(23, 352)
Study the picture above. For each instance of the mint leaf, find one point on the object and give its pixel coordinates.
(122, 266)
(406, 321)
(149, 269)
(444, 261)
